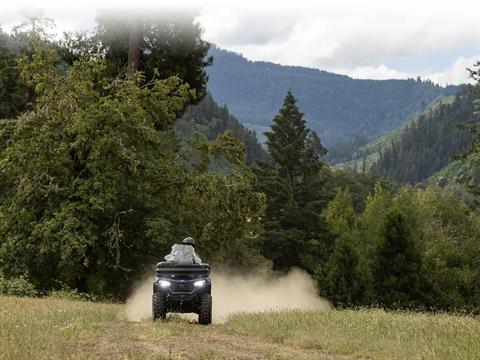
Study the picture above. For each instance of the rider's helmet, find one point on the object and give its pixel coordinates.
(188, 241)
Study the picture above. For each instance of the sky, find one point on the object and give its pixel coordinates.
(433, 39)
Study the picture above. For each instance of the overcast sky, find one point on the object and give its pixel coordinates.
(434, 39)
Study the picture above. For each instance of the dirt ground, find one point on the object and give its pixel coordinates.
(193, 341)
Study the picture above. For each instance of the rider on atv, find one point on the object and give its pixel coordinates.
(185, 253)
(182, 284)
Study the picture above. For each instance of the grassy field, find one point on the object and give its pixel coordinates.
(63, 329)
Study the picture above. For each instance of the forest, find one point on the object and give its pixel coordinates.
(429, 143)
(208, 119)
(107, 158)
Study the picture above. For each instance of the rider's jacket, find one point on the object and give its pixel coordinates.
(183, 254)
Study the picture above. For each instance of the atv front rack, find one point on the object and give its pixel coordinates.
(168, 268)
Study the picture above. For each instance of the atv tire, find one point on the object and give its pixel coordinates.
(159, 310)
(205, 313)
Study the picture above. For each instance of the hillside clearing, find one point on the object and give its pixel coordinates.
(52, 328)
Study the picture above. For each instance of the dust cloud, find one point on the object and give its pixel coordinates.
(139, 304)
(242, 293)
(253, 293)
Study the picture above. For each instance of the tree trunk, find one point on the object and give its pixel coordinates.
(133, 48)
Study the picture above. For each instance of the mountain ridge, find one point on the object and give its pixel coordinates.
(336, 106)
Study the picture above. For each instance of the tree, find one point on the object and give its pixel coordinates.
(134, 51)
(13, 97)
(295, 233)
(341, 280)
(470, 178)
(26, 39)
(96, 185)
(160, 44)
(397, 263)
(344, 278)
(210, 120)
(221, 210)
(87, 168)
(339, 214)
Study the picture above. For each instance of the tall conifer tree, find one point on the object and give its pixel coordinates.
(295, 233)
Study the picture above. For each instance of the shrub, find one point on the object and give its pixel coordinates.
(19, 286)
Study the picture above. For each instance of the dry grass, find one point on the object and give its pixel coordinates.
(53, 328)
(50, 328)
(368, 333)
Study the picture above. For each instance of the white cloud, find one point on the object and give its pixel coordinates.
(345, 34)
(456, 73)
(380, 72)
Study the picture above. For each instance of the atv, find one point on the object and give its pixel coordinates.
(182, 289)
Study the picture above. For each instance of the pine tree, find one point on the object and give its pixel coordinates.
(295, 233)
(342, 281)
(396, 263)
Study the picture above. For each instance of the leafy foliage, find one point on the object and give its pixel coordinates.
(12, 89)
(416, 248)
(93, 181)
(19, 286)
(84, 169)
(222, 211)
(344, 278)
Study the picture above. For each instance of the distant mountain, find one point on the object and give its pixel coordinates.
(336, 106)
(209, 119)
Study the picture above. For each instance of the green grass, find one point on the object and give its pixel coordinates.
(52, 328)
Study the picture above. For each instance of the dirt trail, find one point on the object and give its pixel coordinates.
(235, 347)
(201, 342)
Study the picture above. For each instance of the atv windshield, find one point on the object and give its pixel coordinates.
(183, 255)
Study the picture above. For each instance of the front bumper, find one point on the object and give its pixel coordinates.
(182, 296)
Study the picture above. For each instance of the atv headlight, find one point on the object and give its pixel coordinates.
(199, 283)
(164, 283)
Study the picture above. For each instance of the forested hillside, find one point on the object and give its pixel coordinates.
(210, 120)
(428, 144)
(336, 106)
(360, 153)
